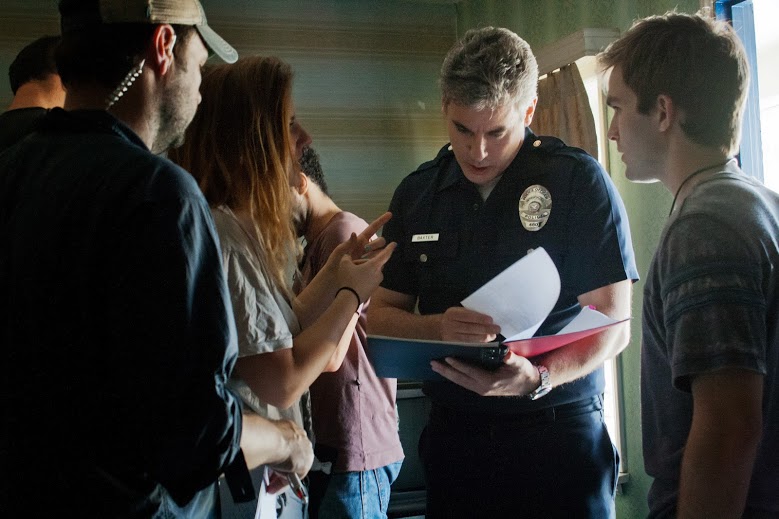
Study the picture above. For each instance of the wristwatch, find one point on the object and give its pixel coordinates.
(545, 386)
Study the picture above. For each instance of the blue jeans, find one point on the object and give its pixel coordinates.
(363, 495)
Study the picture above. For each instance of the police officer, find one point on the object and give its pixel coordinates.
(528, 438)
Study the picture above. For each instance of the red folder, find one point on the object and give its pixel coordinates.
(538, 345)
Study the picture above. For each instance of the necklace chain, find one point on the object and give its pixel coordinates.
(694, 174)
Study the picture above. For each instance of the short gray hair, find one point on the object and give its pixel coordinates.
(488, 68)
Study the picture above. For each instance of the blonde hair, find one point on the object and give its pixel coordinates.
(238, 150)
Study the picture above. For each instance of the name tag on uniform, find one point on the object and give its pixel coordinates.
(424, 237)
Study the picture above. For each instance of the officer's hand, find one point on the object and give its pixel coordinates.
(299, 454)
(458, 324)
(516, 377)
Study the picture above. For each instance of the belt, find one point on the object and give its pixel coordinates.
(441, 415)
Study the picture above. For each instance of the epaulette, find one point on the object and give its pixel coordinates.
(444, 153)
(553, 145)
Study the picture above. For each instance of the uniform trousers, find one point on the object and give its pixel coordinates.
(556, 462)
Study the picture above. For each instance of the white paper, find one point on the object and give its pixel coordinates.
(521, 297)
(266, 502)
(588, 318)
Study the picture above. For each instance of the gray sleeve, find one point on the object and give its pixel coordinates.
(713, 304)
(259, 319)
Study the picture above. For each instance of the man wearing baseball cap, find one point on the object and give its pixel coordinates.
(116, 325)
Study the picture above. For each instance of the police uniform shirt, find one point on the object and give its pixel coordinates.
(586, 234)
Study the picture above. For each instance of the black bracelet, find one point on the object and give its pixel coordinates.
(353, 291)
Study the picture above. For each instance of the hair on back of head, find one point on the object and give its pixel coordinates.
(238, 149)
(312, 167)
(695, 60)
(489, 67)
(34, 62)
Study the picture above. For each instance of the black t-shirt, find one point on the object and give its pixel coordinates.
(15, 124)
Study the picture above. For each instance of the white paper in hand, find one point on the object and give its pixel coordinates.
(521, 297)
(266, 502)
(588, 318)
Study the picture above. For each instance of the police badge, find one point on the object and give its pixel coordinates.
(535, 206)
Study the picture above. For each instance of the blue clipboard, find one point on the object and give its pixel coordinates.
(409, 359)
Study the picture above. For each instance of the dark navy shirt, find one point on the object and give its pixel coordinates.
(16, 124)
(117, 330)
(586, 235)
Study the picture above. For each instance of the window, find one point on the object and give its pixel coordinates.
(767, 44)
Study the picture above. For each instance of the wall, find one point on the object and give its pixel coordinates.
(647, 205)
(541, 23)
(21, 22)
(365, 85)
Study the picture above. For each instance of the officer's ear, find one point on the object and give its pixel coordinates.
(530, 111)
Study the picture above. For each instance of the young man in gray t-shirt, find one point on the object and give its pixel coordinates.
(710, 321)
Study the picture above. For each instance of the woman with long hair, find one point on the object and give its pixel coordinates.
(243, 147)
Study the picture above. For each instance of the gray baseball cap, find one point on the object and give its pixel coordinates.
(178, 12)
